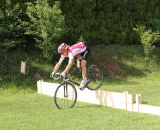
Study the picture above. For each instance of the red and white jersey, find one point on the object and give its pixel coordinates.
(76, 49)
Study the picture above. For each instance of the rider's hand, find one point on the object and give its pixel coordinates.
(52, 75)
(64, 76)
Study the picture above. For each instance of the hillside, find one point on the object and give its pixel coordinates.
(116, 61)
(125, 69)
(121, 61)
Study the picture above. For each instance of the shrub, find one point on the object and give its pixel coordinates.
(148, 37)
(11, 31)
(47, 25)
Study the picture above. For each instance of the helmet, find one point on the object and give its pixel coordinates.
(63, 47)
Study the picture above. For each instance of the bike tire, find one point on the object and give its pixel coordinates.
(65, 96)
(95, 77)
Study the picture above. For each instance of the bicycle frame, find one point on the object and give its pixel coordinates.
(64, 93)
(69, 85)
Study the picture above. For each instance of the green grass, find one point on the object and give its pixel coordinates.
(121, 61)
(127, 69)
(23, 110)
(148, 86)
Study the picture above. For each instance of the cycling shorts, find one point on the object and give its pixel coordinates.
(84, 55)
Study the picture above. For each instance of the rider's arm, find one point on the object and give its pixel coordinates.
(70, 62)
(58, 64)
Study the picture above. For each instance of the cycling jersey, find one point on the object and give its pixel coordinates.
(76, 50)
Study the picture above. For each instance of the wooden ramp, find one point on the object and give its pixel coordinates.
(122, 100)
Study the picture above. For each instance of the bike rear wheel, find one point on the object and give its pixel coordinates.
(65, 96)
(95, 77)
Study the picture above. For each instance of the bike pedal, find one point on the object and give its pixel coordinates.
(82, 88)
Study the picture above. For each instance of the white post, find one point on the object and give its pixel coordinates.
(138, 101)
(132, 102)
(39, 86)
(23, 67)
(125, 99)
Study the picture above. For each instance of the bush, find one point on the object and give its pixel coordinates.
(148, 37)
(47, 24)
(11, 31)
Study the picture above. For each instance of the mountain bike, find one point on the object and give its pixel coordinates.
(66, 94)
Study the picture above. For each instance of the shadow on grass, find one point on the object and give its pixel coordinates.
(80, 105)
(119, 62)
(120, 81)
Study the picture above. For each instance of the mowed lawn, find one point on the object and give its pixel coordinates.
(148, 86)
(21, 110)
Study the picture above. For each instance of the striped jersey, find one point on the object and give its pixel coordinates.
(76, 50)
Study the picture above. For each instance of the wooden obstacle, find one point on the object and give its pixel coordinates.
(122, 100)
(23, 67)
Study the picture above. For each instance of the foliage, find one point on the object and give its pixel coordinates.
(148, 37)
(94, 21)
(107, 22)
(11, 32)
(124, 68)
(156, 24)
(47, 25)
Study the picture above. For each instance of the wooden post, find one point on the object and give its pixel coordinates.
(39, 86)
(23, 67)
(125, 99)
(138, 101)
(132, 103)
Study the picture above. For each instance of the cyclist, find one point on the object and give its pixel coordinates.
(79, 52)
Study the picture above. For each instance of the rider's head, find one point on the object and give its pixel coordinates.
(63, 48)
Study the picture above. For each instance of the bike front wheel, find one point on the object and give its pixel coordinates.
(95, 77)
(65, 96)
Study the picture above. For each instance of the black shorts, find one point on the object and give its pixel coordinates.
(84, 55)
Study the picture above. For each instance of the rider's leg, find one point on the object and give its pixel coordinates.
(84, 69)
(84, 73)
(78, 64)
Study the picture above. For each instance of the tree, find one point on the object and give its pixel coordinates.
(148, 37)
(47, 23)
(10, 31)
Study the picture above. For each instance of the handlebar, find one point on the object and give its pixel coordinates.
(58, 76)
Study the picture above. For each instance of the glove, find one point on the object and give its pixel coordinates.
(52, 75)
(64, 76)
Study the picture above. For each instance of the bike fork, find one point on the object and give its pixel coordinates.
(65, 90)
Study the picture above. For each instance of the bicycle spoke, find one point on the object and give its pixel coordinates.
(95, 77)
(65, 96)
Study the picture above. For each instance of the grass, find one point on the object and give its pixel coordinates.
(121, 61)
(25, 110)
(148, 86)
(125, 69)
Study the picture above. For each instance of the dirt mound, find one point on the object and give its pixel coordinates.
(104, 57)
(112, 68)
(108, 64)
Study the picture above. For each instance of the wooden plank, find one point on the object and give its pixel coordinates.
(118, 100)
(23, 67)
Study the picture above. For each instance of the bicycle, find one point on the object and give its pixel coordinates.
(66, 94)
